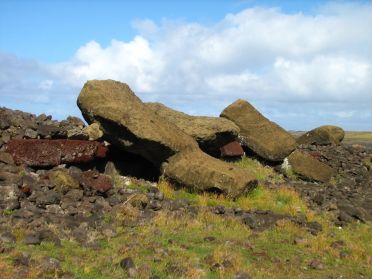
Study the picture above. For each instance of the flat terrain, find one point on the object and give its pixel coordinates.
(363, 138)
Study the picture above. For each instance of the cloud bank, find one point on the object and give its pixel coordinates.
(299, 70)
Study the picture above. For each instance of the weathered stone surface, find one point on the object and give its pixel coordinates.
(130, 124)
(265, 138)
(201, 172)
(307, 166)
(48, 130)
(96, 181)
(9, 197)
(323, 135)
(77, 134)
(232, 149)
(211, 133)
(93, 131)
(54, 152)
(6, 158)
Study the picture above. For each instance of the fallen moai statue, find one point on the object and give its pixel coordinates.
(211, 133)
(265, 138)
(130, 125)
(45, 152)
(323, 135)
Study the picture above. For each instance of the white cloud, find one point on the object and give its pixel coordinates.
(260, 54)
(46, 84)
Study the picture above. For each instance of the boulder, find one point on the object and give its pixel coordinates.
(308, 167)
(323, 135)
(41, 153)
(211, 133)
(6, 158)
(129, 124)
(265, 138)
(200, 172)
(9, 197)
(96, 181)
(232, 150)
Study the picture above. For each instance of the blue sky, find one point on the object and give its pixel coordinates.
(301, 63)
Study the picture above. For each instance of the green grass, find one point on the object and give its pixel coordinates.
(171, 246)
(281, 199)
(168, 241)
(260, 171)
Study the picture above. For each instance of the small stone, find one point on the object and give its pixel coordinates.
(338, 244)
(7, 237)
(154, 205)
(299, 241)
(32, 239)
(159, 196)
(132, 272)
(219, 209)
(238, 211)
(6, 158)
(127, 263)
(242, 275)
(344, 254)
(316, 264)
(50, 264)
(30, 134)
(314, 227)
(22, 260)
(209, 238)
(77, 134)
(68, 275)
(227, 263)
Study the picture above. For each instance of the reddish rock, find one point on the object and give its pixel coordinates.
(44, 152)
(96, 181)
(232, 149)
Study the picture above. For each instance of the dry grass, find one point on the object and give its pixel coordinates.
(358, 136)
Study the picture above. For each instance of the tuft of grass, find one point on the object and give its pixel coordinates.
(7, 212)
(260, 171)
(279, 200)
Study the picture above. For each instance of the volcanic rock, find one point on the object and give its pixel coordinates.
(96, 181)
(307, 166)
(201, 172)
(211, 133)
(323, 135)
(9, 197)
(232, 150)
(41, 153)
(6, 158)
(265, 138)
(130, 124)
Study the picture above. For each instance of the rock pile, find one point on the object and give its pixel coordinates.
(349, 195)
